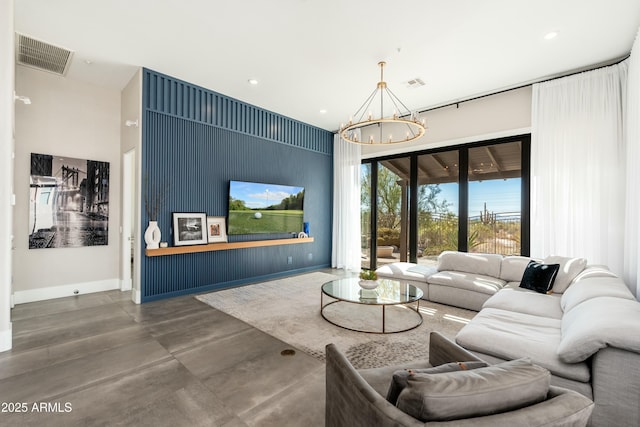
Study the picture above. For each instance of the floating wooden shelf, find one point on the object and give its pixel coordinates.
(176, 250)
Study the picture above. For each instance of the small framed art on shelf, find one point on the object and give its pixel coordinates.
(216, 229)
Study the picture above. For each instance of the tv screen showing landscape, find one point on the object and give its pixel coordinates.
(264, 208)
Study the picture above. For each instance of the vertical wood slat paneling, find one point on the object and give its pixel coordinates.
(171, 96)
(188, 151)
(192, 185)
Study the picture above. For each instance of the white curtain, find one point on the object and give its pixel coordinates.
(578, 167)
(632, 128)
(346, 205)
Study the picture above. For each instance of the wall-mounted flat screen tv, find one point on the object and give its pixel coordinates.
(256, 208)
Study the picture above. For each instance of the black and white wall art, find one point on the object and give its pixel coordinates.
(68, 202)
(189, 228)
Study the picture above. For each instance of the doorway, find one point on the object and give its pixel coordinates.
(128, 260)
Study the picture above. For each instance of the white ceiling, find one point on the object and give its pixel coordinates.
(313, 55)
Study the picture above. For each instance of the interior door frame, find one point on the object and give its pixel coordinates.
(128, 259)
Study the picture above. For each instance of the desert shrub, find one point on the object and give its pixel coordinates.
(388, 237)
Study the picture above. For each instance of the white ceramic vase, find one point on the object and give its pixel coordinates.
(152, 235)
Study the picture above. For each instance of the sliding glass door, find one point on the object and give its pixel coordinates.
(471, 198)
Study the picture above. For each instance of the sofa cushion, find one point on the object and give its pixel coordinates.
(539, 277)
(593, 287)
(400, 378)
(525, 301)
(512, 268)
(569, 269)
(515, 285)
(598, 323)
(591, 271)
(406, 271)
(474, 393)
(510, 335)
(483, 264)
(469, 281)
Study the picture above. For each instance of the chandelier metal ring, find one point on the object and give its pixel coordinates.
(371, 130)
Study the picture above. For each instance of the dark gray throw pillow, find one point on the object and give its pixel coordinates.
(474, 393)
(539, 277)
(400, 377)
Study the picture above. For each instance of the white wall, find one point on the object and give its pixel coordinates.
(6, 167)
(72, 119)
(131, 107)
(495, 116)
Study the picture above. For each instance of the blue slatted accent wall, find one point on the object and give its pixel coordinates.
(194, 141)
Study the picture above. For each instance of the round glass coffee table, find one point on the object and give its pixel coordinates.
(388, 293)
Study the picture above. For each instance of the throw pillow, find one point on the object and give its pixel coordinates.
(400, 378)
(479, 392)
(539, 277)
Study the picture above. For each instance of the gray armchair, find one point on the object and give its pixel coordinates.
(356, 397)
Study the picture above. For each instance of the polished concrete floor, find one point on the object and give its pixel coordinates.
(101, 360)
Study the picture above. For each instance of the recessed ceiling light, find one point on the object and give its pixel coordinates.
(88, 61)
(253, 81)
(551, 35)
(323, 111)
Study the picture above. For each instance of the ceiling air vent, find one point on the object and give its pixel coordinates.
(43, 56)
(417, 82)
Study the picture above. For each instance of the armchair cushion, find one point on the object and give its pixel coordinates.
(400, 378)
(484, 391)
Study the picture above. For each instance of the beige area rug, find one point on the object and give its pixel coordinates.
(289, 309)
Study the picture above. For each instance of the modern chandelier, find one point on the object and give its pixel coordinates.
(391, 124)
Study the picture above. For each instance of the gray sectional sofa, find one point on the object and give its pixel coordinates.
(461, 279)
(586, 332)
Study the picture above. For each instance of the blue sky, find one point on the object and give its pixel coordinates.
(258, 195)
(500, 195)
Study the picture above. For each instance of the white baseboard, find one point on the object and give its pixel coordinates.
(125, 284)
(41, 294)
(5, 339)
(136, 296)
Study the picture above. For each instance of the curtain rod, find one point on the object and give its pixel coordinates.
(530, 83)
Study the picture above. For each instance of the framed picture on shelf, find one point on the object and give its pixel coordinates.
(189, 228)
(216, 229)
